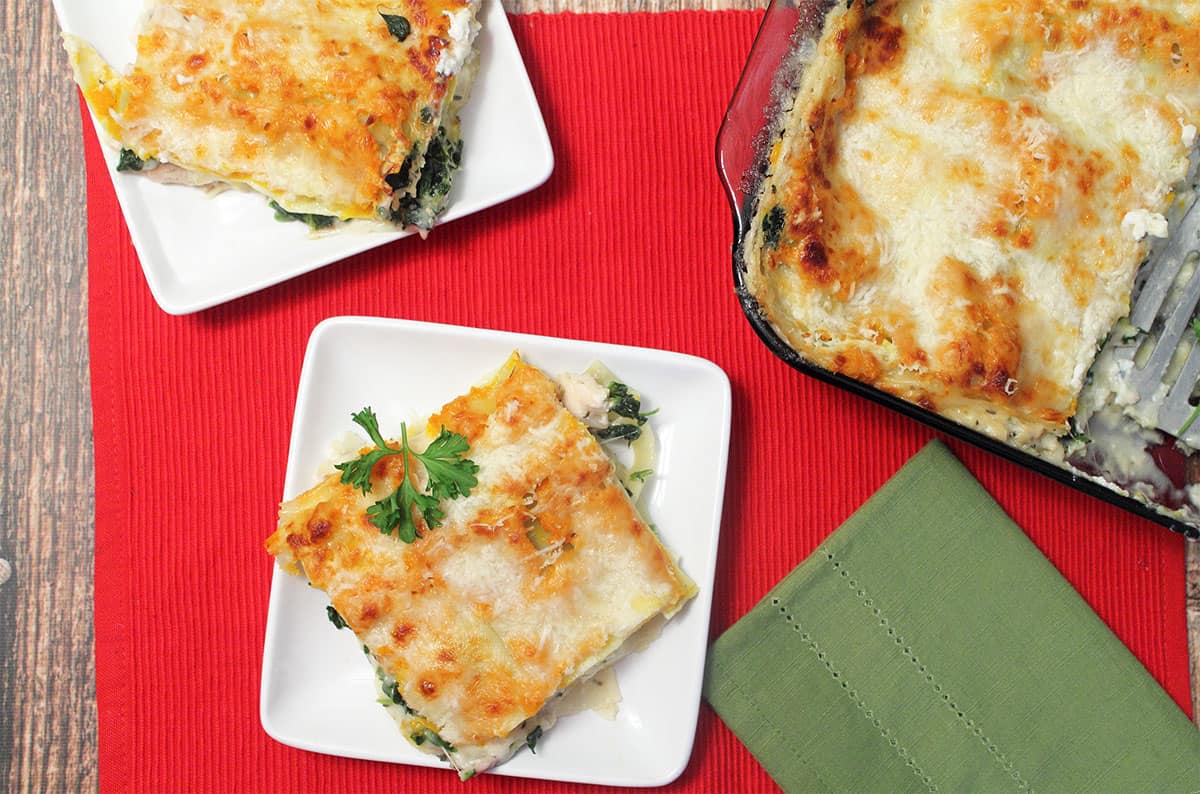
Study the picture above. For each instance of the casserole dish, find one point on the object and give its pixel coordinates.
(974, 308)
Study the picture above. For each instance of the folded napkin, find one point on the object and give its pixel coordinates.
(927, 645)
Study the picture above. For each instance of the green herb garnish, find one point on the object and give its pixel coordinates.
(397, 25)
(640, 475)
(357, 472)
(309, 219)
(772, 226)
(129, 161)
(623, 402)
(532, 738)
(392, 690)
(449, 474)
(394, 513)
(431, 736)
(442, 158)
(337, 620)
(400, 179)
(627, 431)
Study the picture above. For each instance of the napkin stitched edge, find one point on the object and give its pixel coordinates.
(896, 487)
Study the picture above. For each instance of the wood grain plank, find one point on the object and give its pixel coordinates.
(1193, 623)
(47, 680)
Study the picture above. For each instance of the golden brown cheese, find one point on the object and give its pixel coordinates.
(951, 212)
(533, 581)
(315, 104)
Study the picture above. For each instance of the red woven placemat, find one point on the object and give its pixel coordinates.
(192, 415)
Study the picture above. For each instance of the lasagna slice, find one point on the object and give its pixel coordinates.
(534, 581)
(962, 192)
(344, 110)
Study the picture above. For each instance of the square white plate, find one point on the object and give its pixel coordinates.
(199, 250)
(650, 741)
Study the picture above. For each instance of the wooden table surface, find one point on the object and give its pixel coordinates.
(47, 671)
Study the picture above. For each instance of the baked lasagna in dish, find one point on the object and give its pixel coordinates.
(334, 111)
(485, 606)
(954, 206)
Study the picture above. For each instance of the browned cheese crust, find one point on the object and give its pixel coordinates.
(531, 582)
(945, 214)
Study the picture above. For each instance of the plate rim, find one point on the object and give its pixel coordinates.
(177, 301)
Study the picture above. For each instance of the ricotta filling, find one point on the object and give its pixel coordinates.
(463, 30)
(1140, 223)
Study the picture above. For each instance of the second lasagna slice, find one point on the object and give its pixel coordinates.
(530, 582)
(332, 111)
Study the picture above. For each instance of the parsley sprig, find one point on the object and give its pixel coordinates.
(357, 472)
(449, 474)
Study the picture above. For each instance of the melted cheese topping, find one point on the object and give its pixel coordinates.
(312, 103)
(943, 215)
(533, 581)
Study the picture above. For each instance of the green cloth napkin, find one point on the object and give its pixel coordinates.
(927, 645)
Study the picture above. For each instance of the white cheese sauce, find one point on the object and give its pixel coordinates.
(1139, 223)
(585, 398)
(462, 32)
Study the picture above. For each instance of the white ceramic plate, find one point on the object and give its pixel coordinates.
(318, 691)
(199, 250)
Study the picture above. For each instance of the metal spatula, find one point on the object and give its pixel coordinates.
(1165, 302)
